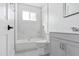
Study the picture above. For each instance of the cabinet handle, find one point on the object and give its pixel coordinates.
(62, 46)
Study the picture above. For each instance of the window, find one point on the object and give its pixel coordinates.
(27, 15)
(33, 16)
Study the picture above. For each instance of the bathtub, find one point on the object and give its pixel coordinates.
(32, 40)
(31, 47)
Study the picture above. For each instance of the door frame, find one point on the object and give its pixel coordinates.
(8, 5)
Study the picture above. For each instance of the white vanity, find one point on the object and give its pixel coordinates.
(64, 41)
(64, 44)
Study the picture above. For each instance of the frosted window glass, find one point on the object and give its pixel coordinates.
(33, 16)
(25, 15)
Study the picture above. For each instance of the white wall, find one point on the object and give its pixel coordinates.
(57, 23)
(44, 17)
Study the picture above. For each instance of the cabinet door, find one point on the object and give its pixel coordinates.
(56, 47)
(72, 50)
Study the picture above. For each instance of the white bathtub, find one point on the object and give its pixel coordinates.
(31, 47)
(33, 40)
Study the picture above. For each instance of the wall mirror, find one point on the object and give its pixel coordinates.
(70, 9)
